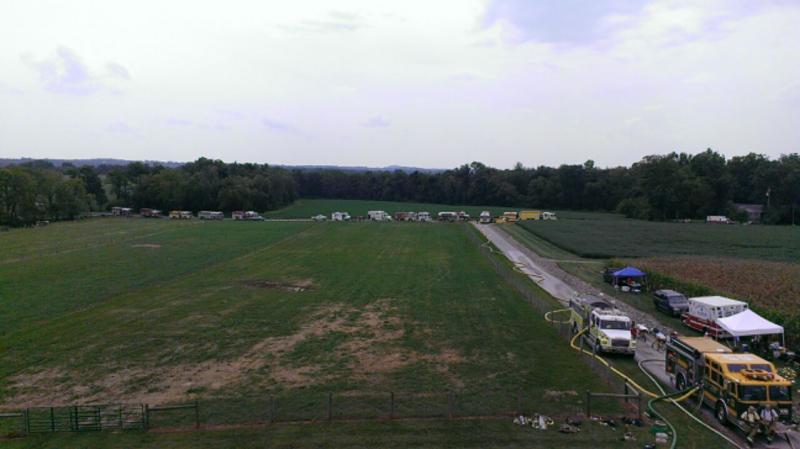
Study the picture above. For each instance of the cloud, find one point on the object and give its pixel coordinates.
(117, 71)
(333, 21)
(173, 121)
(65, 72)
(278, 126)
(377, 122)
(119, 127)
(562, 21)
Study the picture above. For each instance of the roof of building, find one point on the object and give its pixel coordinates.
(717, 301)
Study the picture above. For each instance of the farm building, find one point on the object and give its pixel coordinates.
(121, 211)
(210, 215)
(754, 211)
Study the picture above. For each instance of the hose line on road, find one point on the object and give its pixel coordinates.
(682, 408)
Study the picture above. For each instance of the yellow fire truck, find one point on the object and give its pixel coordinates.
(731, 381)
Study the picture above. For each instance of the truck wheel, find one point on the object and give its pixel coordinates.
(680, 382)
(722, 413)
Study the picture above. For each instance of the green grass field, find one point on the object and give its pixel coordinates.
(607, 236)
(306, 208)
(229, 313)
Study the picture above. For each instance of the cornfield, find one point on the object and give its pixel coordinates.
(771, 288)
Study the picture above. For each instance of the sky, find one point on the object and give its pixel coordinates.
(417, 83)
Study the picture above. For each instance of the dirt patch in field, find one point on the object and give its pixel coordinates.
(372, 342)
(297, 286)
(146, 245)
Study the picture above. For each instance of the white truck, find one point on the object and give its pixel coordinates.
(379, 215)
(607, 329)
(485, 217)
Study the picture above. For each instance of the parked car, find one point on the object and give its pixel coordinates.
(608, 274)
(671, 302)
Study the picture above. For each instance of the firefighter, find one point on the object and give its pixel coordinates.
(768, 418)
(751, 418)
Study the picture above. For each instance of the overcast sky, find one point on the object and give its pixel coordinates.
(433, 83)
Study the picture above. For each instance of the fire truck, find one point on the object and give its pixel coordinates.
(731, 381)
(607, 329)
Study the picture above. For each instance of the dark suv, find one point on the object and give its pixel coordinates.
(671, 302)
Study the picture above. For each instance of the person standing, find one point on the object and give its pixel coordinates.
(768, 418)
(751, 418)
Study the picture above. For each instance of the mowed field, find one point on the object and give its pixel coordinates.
(606, 236)
(133, 310)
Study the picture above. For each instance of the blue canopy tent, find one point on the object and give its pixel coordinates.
(632, 276)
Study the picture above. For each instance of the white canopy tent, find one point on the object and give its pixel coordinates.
(749, 324)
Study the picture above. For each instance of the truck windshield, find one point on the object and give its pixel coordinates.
(736, 367)
(612, 324)
(780, 393)
(753, 392)
(762, 367)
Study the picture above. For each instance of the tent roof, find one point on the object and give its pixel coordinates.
(629, 272)
(748, 323)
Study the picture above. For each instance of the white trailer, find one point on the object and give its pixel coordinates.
(210, 215)
(379, 215)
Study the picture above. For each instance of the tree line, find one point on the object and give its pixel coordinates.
(658, 187)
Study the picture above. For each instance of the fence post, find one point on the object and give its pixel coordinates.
(146, 416)
(77, 422)
(391, 405)
(196, 414)
(121, 425)
(588, 404)
(330, 406)
(639, 396)
(27, 421)
(626, 392)
(450, 404)
(52, 420)
(273, 409)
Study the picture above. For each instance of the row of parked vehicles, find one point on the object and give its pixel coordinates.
(731, 382)
(146, 212)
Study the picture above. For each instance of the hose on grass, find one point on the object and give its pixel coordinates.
(682, 408)
(547, 316)
(611, 368)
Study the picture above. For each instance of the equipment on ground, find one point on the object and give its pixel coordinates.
(731, 382)
(607, 329)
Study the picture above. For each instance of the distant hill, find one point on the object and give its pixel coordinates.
(83, 162)
(97, 162)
